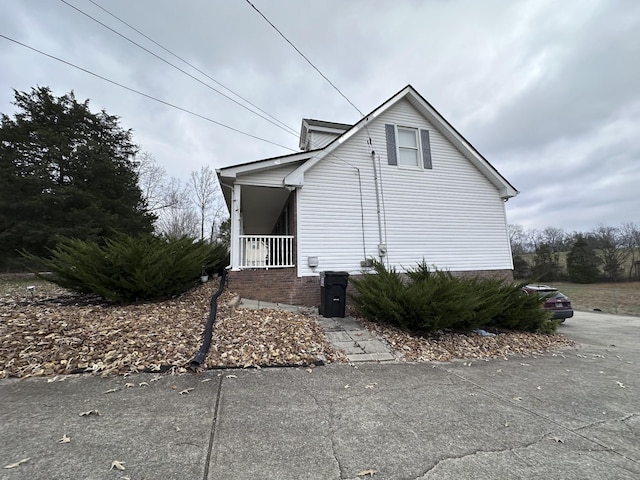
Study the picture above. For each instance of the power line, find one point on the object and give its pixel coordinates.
(192, 66)
(303, 56)
(145, 94)
(288, 130)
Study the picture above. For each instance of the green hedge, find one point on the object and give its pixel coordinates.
(132, 268)
(428, 300)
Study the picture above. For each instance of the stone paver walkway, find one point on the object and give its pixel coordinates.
(357, 342)
(345, 334)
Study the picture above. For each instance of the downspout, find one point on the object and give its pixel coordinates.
(382, 251)
(208, 331)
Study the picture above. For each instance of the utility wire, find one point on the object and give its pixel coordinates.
(145, 94)
(303, 56)
(350, 103)
(193, 66)
(288, 130)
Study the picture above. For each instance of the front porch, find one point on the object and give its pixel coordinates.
(262, 227)
(263, 233)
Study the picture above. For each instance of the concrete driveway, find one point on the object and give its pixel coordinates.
(570, 414)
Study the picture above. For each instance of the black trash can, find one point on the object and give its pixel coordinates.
(333, 294)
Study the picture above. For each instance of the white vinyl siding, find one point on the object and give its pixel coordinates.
(321, 139)
(267, 178)
(451, 216)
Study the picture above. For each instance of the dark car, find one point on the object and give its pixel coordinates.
(555, 301)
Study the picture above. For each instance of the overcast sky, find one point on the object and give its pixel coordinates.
(547, 91)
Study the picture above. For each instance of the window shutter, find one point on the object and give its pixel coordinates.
(390, 130)
(426, 148)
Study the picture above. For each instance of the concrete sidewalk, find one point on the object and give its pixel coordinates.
(574, 414)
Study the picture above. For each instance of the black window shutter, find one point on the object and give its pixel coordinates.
(426, 148)
(391, 144)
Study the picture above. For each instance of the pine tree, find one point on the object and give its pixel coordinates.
(65, 170)
(545, 263)
(583, 262)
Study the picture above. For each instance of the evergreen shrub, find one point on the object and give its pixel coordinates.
(132, 268)
(426, 300)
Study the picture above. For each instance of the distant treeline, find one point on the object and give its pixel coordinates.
(604, 254)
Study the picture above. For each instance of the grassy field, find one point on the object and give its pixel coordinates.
(618, 298)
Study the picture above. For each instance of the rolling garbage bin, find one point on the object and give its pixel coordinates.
(333, 294)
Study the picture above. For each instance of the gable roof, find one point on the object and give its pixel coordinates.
(296, 178)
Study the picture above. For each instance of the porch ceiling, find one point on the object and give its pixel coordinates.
(261, 207)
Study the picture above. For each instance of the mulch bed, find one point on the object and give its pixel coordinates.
(46, 331)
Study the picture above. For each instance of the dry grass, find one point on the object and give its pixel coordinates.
(618, 298)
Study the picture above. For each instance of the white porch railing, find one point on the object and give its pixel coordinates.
(266, 251)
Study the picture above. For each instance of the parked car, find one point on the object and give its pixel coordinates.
(556, 302)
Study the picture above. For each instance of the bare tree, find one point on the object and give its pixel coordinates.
(554, 237)
(517, 239)
(204, 185)
(534, 239)
(630, 236)
(152, 180)
(177, 218)
(173, 202)
(208, 199)
(611, 250)
(219, 216)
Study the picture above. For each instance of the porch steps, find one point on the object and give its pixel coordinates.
(344, 334)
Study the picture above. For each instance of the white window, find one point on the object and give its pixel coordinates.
(408, 147)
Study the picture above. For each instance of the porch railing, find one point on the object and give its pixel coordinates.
(266, 251)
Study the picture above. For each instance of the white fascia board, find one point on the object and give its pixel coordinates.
(233, 171)
(507, 193)
(386, 105)
(296, 178)
(506, 189)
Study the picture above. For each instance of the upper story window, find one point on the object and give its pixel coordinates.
(408, 147)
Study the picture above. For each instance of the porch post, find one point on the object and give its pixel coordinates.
(235, 227)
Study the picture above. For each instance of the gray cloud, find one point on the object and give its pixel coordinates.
(546, 91)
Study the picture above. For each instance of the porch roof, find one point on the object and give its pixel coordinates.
(232, 171)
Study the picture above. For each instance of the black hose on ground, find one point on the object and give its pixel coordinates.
(208, 331)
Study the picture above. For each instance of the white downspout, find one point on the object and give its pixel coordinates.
(381, 245)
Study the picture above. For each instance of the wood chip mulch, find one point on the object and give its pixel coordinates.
(45, 331)
(446, 346)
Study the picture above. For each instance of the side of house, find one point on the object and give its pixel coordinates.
(401, 185)
(447, 213)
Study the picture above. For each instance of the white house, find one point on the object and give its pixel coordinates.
(401, 185)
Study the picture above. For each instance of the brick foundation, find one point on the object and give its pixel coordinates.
(282, 285)
(278, 285)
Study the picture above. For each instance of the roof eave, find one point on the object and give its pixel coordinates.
(231, 172)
